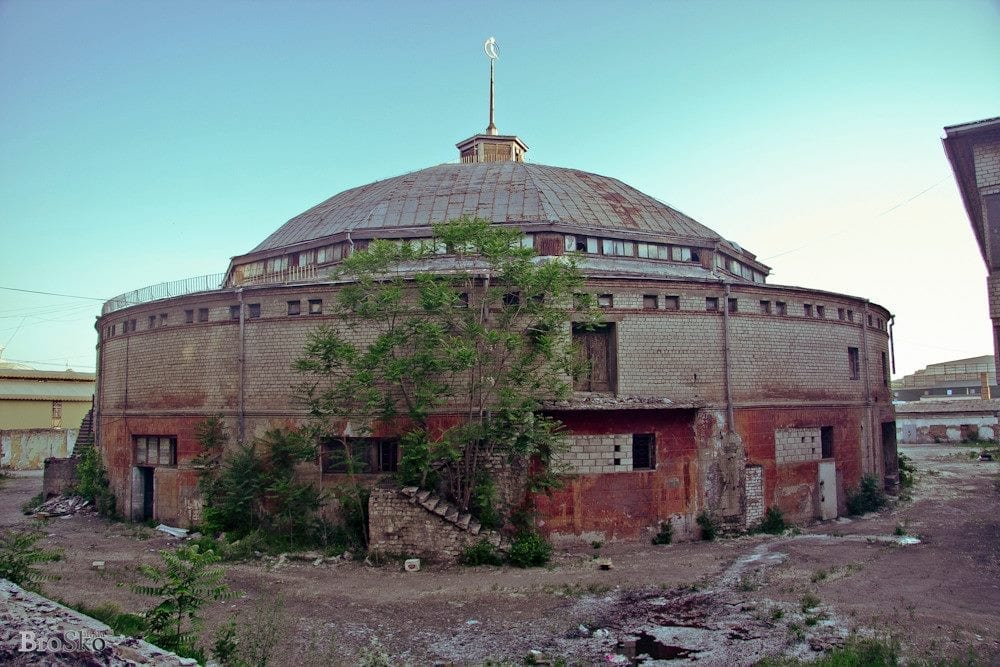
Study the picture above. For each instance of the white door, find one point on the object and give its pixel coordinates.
(828, 489)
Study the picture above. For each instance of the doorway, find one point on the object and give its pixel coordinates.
(827, 489)
(146, 479)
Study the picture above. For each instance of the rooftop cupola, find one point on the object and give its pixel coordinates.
(491, 146)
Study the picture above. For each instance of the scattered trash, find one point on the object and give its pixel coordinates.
(602, 633)
(60, 506)
(172, 531)
(411, 565)
(985, 456)
(98, 565)
(583, 630)
(603, 563)
(472, 621)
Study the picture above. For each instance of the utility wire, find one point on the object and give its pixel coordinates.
(71, 296)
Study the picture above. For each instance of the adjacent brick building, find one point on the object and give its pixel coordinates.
(710, 389)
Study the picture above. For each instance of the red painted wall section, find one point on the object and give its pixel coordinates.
(622, 505)
(792, 487)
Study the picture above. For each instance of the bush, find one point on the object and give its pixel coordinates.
(480, 553)
(868, 497)
(773, 522)
(529, 549)
(19, 558)
(93, 482)
(907, 473)
(666, 534)
(709, 525)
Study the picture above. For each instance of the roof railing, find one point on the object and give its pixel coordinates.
(208, 283)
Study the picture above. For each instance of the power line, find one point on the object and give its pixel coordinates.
(71, 296)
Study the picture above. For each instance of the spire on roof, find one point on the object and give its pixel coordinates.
(491, 146)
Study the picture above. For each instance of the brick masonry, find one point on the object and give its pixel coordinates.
(596, 454)
(794, 445)
(754, 495)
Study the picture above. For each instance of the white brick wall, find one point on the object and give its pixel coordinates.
(795, 445)
(597, 454)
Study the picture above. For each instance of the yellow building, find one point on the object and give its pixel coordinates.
(40, 414)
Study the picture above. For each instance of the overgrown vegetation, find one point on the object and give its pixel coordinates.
(709, 525)
(907, 472)
(185, 582)
(489, 343)
(20, 557)
(29, 505)
(867, 497)
(252, 495)
(92, 482)
(481, 553)
(666, 534)
(773, 522)
(529, 549)
(855, 652)
(123, 623)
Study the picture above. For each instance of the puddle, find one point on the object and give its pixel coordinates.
(651, 647)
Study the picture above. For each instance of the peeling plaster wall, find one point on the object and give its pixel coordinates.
(27, 449)
(930, 428)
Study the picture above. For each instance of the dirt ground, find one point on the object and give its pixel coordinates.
(732, 601)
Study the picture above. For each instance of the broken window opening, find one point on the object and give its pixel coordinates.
(733, 305)
(605, 300)
(254, 309)
(360, 455)
(155, 450)
(294, 307)
(315, 306)
(650, 302)
(712, 304)
(671, 302)
(826, 441)
(765, 307)
(203, 314)
(643, 451)
(854, 362)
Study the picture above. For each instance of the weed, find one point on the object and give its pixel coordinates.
(597, 544)
(529, 549)
(868, 497)
(666, 534)
(818, 576)
(374, 655)
(809, 601)
(20, 557)
(709, 525)
(907, 472)
(899, 530)
(773, 522)
(29, 505)
(777, 614)
(747, 583)
(131, 625)
(480, 553)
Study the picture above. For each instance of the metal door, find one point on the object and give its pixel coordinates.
(827, 484)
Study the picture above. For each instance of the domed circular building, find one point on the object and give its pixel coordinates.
(709, 389)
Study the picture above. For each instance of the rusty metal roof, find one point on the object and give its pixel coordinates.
(505, 192)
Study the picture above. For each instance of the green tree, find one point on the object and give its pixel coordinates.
(486, 336)
(20, 556)
(186, 582)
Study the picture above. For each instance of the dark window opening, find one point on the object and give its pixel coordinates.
(597, 365)
(854, 362)
(360, 455)
(234, 312)
(294, 307)
(188, 316)
(462, 300)
(850, 315)
(152, 322)
(780, 307)
(711, 304)
(672, 303)
(820, 311)
(650, 302)
(826, 439)
(315, 306)
(511, 298)
(733, 305)
(885, 369)
(807, 309)
(203, 314)
(643, 451)
(840, 314)
(163, 319)
(254, 309)
(765, 307)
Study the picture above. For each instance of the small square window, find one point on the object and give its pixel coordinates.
(733, 305)
(780, 308)
(294, 307)
(712, 304)
(188, 316)
(820, 311)
(650, 302)
(807, 309)
(254, 309)
(605, 300)
(203, 314)
(671, 302)
(512, 298)
(315, 306)
(234, 312)
(765, 307)
(462, 300)
(643, 451)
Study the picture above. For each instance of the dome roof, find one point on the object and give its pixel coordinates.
(503, 192)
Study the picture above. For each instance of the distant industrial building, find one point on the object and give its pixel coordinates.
(959, 379)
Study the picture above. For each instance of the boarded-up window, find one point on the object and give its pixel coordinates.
(596, 353)
(155, 450)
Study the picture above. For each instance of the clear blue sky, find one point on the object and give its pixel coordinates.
(148, 141)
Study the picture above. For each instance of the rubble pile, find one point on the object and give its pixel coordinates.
(60, 506)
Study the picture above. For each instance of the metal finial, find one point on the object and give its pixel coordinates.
(490, 47)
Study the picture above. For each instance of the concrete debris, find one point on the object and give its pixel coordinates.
(411, 565)
(603, 563)
(172, 531)
(97, 565)
(60, 506)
